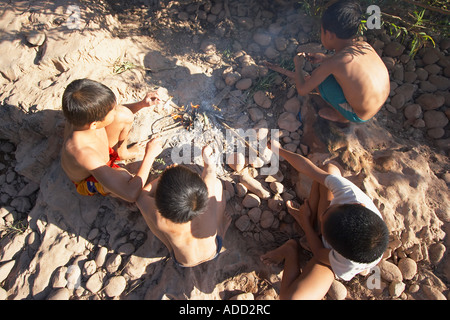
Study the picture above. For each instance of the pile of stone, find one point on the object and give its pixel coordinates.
(419, 88)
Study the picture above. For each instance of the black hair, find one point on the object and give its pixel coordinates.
(181, 194)
(85, 101)
(357, 233)
(342, 18)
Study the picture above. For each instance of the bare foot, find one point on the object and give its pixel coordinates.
(278, 255)
(294, 210)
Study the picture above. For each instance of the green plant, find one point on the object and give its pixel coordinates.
(12, 229)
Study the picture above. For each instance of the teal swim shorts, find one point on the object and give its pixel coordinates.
(332, 92)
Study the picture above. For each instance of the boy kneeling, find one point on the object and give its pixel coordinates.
(187, 212)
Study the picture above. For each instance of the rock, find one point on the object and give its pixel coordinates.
(5, 269)
(408, 268)
(36, 38)
(431, 56)
(263, 39)
(436, 253)
(241, 190)
(3, 294)
(276, 203)
(126, 249)
(430, 101)
(271, 53)
(101, 256)
(432, 293)
(398, 101)
(255, 114)
(232, 78)
(413, 111)
(236, 161)
(113, 263)
(337, 291)
(95, 282)
(89, 268)
(59, 279)
(251, 200)
(115, 286)
(266, 219)
(436, 133)
(292, 105)
(396, 288)
(394, 49)
(277, 187)
(243, 296)
(242, 223)
(262, 100)
(422, 74)
(244, 84)
(288, 121)
(389, 271)
(60, 294)
(254, 186)
(407, 90)
(255, 214)
(389, 63)
(435, 119)
(441, 82)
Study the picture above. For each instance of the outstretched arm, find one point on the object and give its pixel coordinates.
(150, 99)
(299, 162)
(119, 181)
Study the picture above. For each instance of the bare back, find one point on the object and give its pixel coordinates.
(79, 145)
(193, 242)
(363, 77)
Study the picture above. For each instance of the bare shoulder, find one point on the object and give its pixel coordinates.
(84, 155)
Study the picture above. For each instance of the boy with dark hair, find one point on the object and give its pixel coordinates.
(354, 81)
(95, 138)
(344, 230)
(187, 212)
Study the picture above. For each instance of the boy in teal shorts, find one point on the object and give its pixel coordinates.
(354, 81)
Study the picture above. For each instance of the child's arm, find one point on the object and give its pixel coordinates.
(300, 163)
(119, 181)
(209, 169)
(302, 216)
(150, 99)
(305, 86)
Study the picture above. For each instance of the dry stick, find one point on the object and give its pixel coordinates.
(239, 137)
(426, 6)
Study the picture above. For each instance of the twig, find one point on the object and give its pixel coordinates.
(426, 6)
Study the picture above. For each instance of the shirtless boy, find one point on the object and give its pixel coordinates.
(187, 212)
(343, 228)
(354, 81)
(95, 138)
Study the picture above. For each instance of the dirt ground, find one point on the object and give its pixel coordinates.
(57, 244)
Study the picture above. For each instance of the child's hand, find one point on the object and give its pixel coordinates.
(316, 57)
(151, 98)
(154, 146)
(207, 154)
(299, 60)
(301, 214)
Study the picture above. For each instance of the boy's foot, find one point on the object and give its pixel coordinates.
(278, 255)
(294, 210)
